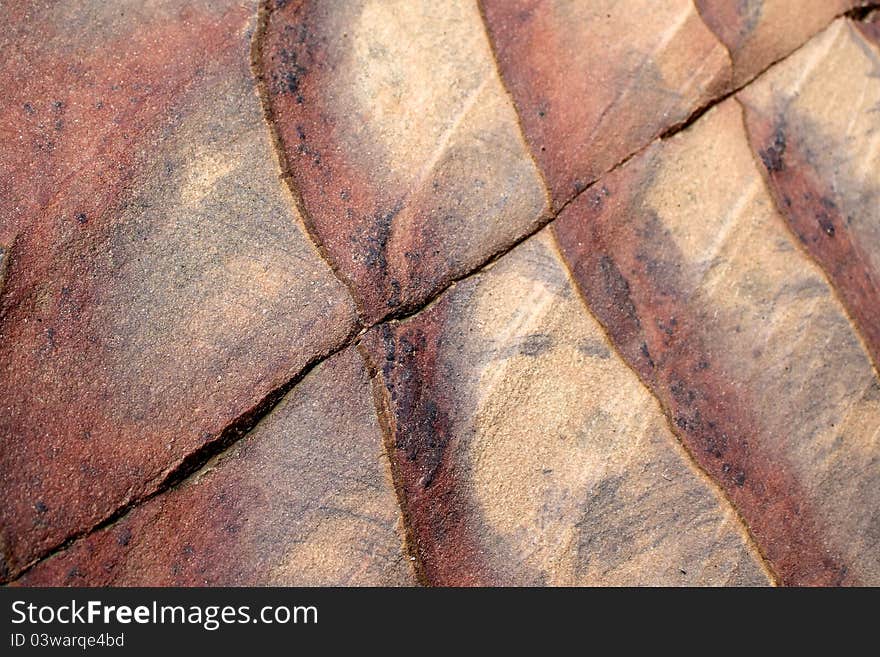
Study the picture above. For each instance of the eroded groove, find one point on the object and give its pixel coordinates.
(233, 432)
(751, 541)
(197, 460)
(386, 424)
(263, 14)
(806, 206)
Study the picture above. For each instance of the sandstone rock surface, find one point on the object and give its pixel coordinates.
(467, 292)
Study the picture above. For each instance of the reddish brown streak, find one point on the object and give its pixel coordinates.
(585, 103)
(241, 521)
(814, 214)
(518, 30)
(424, 446)
(152, 547)
(349, 213)
(732, 22)
(68, 183)
(629, 272)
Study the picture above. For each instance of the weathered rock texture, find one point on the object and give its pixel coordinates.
(278, 304)
(159, 283)
(400, 141)
(595, 81)
(759, 32)
(304, 499)
(742, 340)
(813, 125)
(528, 453)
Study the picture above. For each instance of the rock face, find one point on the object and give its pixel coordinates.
(528, 453)
(159, 281)
(305, 499)
(400, 141)
(812, 124)
(732, 328)
(588, 98)
(758, 32)
(279, 303)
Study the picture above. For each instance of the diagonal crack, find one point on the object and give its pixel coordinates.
(193, 463)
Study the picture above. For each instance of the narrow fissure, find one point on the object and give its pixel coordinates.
(386, 424)
(263, 16)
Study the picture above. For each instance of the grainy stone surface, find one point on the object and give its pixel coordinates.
(760, 32)
(304, 499)
(159, 283)
(587, 95)
(528, 453)
(742, 339)
(814, 129)
(276, 305)
(400, 140)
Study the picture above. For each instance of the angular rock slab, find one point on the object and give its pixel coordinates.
(682, 256)
(814, 124)
(400, 141)
(157, 284)
(594, 81)
(526, 452)
(760, 32)
(305, 499)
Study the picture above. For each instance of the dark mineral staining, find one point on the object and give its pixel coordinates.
(595, 349)
(535, 344)
(815, 211)
(617, 288)
(773, 155)
(597, 198)
(376, 247)
(826, 224)
(394, 299)
(291, 73)
(124, 537)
